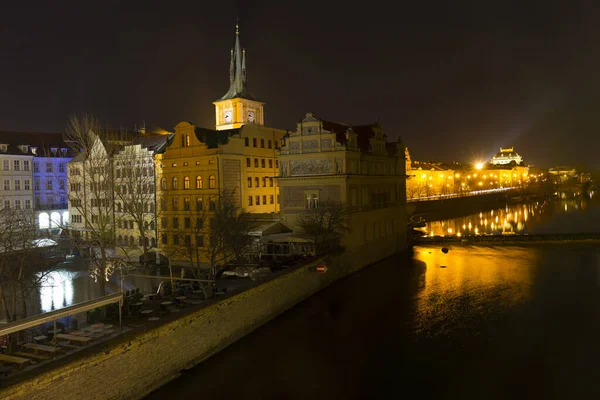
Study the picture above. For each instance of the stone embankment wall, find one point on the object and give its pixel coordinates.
(131, 366)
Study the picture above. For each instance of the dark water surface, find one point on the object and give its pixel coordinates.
(495, 323)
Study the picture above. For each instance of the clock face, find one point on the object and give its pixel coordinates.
(251, 116)
(228, 116)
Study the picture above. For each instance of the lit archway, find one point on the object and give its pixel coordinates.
(44, 221)
(54, 220)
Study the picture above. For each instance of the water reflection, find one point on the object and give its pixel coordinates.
(56, 290)
(469, 283)
(568, 213)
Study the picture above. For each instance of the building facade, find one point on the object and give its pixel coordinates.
(354, 165)
(34, 175)
(239, 156)
(506, 156)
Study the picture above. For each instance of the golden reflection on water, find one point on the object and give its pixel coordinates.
(507, 220)
(471, 284)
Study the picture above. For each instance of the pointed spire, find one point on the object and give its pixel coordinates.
(237, 71)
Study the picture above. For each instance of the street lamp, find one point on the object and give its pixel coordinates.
(479, 165)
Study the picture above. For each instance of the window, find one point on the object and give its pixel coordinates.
(212, 205)
(257, 182)
(17, 165)
(6, 204)
(262, 163)
(36, 167)
(163, 184)
(27, 204)
(5, 165)
(186, 182)
(312, 201)
(49, 184)
(163, 238)
(48, 167)
(199, 223)
(17, 204)
(188, 240)
(249, 182)
(271, 182)
(164, 222)
(163, 204)
(249, 200)
(264, 179)
(17, 184)
(200, 241)
(198, 182)
(269, 144)
(262, 143)
(27, 184)
(254, 142)
(26, 165)
(61, 184)
(264, 199)
(256, 162)
(175, 239)
(37, 185)
(248, 162)
(174, 164)
(185, 140)
(187, 223)
(186, 203)
(276, 163)
(94, 219)
(258, 200)
(271, 199)
(270, 163)
(199, 204)
(175, 222)
(175, 204)
(276, 144)
(211, 182)
(174, 183)
(246, 142)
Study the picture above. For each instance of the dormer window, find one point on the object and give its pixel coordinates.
(63, 152)
(24, 148)
(34, 151)
(4, 148)
(54, 150)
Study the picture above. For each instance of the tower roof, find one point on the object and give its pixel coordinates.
(237, 72)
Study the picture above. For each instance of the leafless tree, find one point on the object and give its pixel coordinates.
(324, 222)
(135, 195)
(23, 265)
(91, 192)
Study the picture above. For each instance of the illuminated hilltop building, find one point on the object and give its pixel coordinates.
(506, 156)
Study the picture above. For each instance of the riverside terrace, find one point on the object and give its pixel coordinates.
(44, 341)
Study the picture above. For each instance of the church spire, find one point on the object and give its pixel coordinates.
(237, 71)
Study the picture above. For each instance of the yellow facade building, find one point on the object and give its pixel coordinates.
(240, 156)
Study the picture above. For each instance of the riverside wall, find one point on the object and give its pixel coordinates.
(132, 365)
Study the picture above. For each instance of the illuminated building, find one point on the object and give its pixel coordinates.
(355, 165)
(240, 156)
(428, 179)
(506, 156)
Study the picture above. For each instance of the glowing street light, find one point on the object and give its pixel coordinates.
(478, 165)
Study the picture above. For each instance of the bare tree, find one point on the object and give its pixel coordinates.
(324, 222)
(135, 196)
(91, 192)
(23, 265)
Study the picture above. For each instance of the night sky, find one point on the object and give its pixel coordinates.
(456, 80)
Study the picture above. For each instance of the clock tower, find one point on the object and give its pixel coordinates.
(238, 107)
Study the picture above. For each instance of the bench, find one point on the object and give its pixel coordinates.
(74, 338)
(31, 355)
(14, 360)
(41, 347)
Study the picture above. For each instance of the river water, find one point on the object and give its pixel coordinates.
(480, 322)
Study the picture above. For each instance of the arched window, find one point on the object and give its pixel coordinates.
(44, 219)
(211, 182)
(131, 242)
(186, 182)
(120, 240)
(199, 204)
(198, 182)
(140, 241)
(153, 242)
(163, 184)
(147, 241)
(174, 183)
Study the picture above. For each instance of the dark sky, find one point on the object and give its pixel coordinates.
(456, 80)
